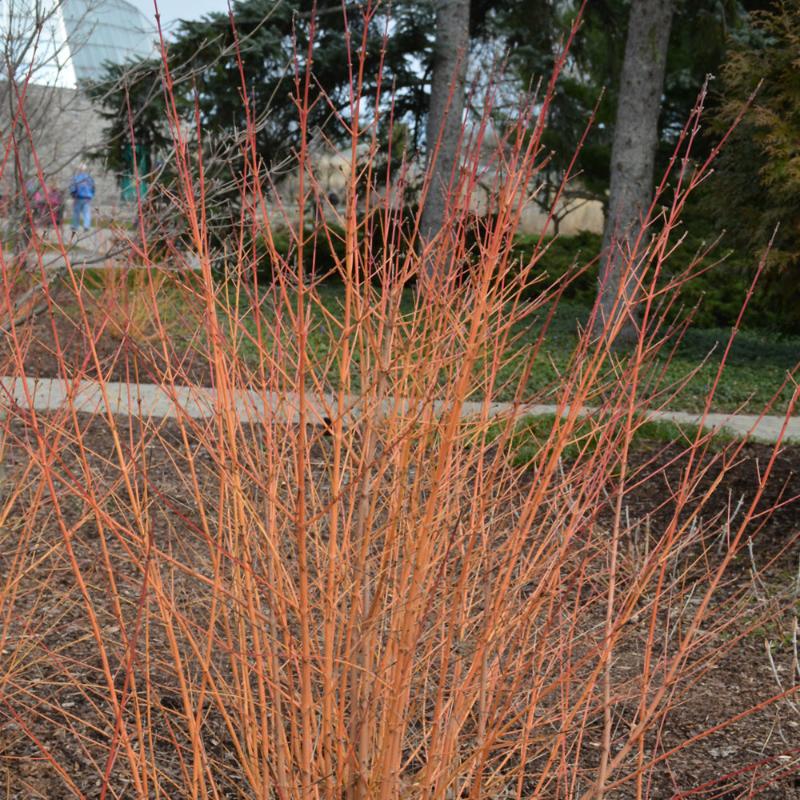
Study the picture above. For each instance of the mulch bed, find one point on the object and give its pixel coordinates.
(759, 754)
(741, 679)
(121, 356)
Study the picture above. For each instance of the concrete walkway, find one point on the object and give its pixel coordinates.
(157, 401)
(96, 249)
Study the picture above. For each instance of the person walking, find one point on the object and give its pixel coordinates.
(81, 188)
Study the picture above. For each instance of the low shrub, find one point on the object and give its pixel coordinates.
(322, 258)
(291, 588)
(713, 296)
(559, 259)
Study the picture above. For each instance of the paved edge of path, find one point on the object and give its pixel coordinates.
(53, 260)
(197, 402)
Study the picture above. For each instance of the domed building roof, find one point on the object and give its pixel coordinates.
(66, 43)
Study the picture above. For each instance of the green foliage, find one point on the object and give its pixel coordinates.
(271, 40)
(323, 258)
(757, 183)
(713, 297)
(701, 34)
(562, 256)
(698, 42)
(535, 33)
(130, 100)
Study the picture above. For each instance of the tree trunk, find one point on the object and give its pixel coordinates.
(448, 79)
(633, 157)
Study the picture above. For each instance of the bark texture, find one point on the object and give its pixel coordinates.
(446, 110)
(633, 151)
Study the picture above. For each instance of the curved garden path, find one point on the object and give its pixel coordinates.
(197, 402)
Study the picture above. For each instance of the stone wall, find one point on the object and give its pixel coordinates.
(331, 170)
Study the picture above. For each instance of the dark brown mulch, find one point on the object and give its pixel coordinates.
(121, 356)
(736, 761)
(739, 486)
(756, 757)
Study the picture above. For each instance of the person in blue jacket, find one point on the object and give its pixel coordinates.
(81, 188)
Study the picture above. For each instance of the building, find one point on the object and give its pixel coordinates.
(52, 49)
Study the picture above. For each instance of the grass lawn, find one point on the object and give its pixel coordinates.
(757, 365)
(531, 433)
